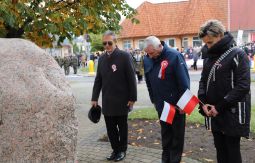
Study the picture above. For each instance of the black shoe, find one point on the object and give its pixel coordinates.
(120, 156)
(112, 156)
(164, 161)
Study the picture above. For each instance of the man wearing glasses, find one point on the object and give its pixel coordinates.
(116, 77)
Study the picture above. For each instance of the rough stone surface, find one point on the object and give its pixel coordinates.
(36, 105)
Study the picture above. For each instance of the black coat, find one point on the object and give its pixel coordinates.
(229, 91)
(116, 77)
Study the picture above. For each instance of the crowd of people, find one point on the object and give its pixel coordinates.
(249, 49)
(137, 58)
(74, 61)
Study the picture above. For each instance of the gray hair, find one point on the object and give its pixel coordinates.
(152, 40)
(110, 33)
(213, 28)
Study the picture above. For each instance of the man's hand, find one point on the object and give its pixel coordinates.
(94, 103)
(130, 103)
(180, 110)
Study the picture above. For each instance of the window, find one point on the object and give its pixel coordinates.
(171, 42)
(185, 42)
(197, 42)
(141, 44)
(127, 44)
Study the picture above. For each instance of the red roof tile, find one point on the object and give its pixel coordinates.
(174, 18)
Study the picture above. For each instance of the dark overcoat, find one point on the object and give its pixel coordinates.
(229, 88)
(173, 85)
(116, 78)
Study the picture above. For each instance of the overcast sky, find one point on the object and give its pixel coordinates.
(136, 3)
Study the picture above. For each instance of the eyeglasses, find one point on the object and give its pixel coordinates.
(107, 42)
(205, 32)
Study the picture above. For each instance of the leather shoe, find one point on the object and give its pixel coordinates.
(164, 161)
(120, 156)
(112, 156)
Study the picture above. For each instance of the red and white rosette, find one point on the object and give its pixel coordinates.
(162, 70)
(114, 67)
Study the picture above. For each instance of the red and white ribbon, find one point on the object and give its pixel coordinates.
(162, 70)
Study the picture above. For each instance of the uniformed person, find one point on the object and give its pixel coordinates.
(74, 63)
(61, 61)
(58, 60)
(66, 64)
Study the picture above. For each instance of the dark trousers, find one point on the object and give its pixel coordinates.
(195, 65)
(75, 69)
(173, 139)
(67, 70)
(117, 130)
(227, 147)
(139, 76)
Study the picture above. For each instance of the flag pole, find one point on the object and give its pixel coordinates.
(201, 102)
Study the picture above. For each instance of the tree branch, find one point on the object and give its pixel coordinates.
(67, 5)
(14, 1)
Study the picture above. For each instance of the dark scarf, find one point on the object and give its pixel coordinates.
(219, 48)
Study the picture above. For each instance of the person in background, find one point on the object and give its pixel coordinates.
(67, 63)
(138, 62)
(196, 52)
(74, 63)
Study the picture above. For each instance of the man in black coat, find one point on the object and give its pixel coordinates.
(224, 88)
(116, 77)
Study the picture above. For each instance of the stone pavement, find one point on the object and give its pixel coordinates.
(89, 149)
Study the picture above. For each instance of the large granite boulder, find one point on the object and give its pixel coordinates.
(36, 106)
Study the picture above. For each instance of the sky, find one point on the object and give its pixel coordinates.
(136, 3)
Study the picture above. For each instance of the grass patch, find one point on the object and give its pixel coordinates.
(195, 117)
(146, 113)
(84, 69)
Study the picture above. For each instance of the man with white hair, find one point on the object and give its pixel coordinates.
(167, 79)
